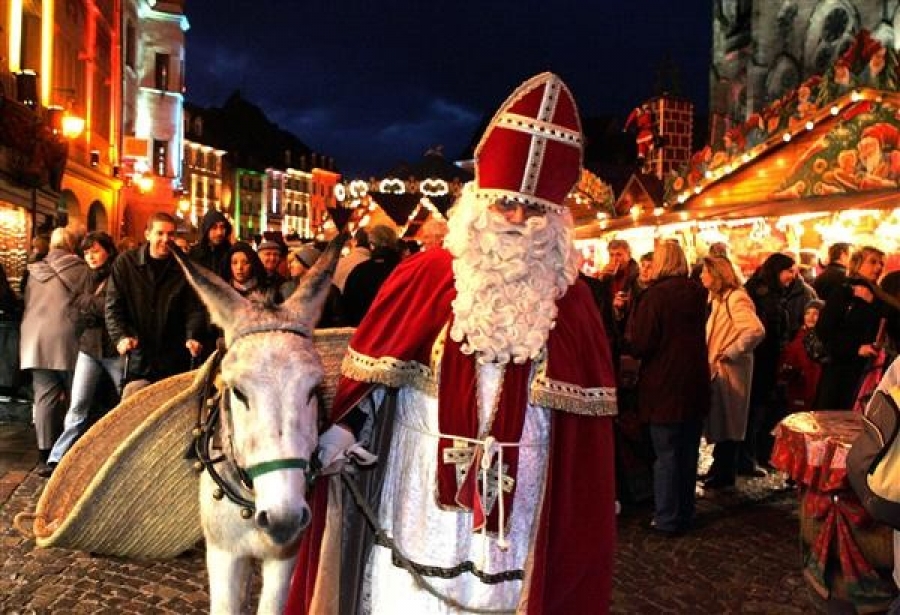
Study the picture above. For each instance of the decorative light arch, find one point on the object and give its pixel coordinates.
(392, 185)
(434, 187)
(359, 188)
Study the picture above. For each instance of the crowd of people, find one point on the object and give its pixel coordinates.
(774, 344)
(96, 321)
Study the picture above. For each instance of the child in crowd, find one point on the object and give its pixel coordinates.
(797, 372)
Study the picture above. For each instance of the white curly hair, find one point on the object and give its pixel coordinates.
(508, 278)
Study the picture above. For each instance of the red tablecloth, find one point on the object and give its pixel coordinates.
(812, 448)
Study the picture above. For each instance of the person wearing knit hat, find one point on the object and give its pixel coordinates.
(815, 304)
(270, 253)
(798, 373)
(305, 256)
(525, 394)
(299, 261)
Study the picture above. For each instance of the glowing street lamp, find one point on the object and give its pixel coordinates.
(72, 126)
(144, 183)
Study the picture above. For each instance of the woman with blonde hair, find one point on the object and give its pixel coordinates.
(667, 333)
(732, 332)
(850, 326)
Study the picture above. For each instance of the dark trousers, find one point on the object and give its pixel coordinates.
(725, 459)
(756, 449)
(677, 448)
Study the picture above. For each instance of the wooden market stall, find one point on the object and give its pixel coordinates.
(818, 166)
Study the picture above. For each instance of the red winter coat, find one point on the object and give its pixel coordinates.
(799, 374)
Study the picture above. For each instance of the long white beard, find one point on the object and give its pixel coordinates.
(507, 278)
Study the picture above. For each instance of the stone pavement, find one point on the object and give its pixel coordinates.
(744, 557)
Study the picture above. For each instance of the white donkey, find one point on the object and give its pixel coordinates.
(267, 424)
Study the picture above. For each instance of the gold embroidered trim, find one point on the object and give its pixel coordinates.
(388, 371)
(600, 401)
(558, 395)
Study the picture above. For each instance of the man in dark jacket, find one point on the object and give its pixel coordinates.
(213, 252)
(835, 273)
(367, 277)
(215, 242)
(619, 287)
(271, 253)
(151, 311)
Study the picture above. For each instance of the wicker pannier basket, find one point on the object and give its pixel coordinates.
(125, 488)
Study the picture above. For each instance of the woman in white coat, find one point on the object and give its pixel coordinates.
(732, 332)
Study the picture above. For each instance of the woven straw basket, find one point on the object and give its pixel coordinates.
(125, 489)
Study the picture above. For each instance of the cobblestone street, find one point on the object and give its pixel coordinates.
(743, 557)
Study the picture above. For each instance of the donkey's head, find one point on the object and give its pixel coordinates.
(271, 371)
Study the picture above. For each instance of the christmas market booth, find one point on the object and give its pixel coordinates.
(818, 166)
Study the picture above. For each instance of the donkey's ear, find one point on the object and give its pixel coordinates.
(222, 301)
(307, 301)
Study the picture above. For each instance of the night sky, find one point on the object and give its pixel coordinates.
(376, 83)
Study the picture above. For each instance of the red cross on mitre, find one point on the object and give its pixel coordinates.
(532, 148)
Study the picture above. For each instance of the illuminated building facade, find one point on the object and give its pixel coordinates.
(61, 82)
(323, 183)
(247, 194)
(272, 183)
(202, 181)
(298, 189)
(152, 127)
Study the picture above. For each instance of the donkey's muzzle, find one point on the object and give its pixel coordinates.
(284, 528)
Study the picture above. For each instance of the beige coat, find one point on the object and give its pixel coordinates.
(732, 332)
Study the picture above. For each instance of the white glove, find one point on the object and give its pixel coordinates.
(333, 447)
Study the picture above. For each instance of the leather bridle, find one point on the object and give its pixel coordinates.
(232, 480)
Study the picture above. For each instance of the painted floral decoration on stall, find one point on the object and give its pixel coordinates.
(865, 64)
(861, 154)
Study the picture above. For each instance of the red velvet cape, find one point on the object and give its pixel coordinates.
(571, 568)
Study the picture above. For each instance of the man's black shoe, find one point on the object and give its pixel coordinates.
(46, 470)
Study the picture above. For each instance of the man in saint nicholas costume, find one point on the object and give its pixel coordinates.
(481, 377)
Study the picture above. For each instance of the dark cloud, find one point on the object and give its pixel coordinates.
(375, 83)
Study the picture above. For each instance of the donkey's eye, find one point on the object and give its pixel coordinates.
(241, 397)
